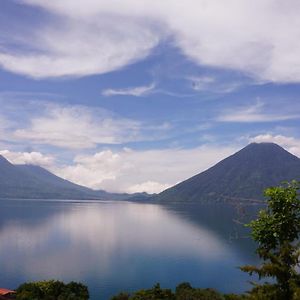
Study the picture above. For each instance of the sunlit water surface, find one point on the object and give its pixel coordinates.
(122, 246)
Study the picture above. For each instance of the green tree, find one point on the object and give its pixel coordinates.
(52, 290)
(276, 230)
(156, 293)
(185, 291)
(121, 296)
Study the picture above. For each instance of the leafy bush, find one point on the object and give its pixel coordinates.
(184, 291)
(236, 297)
(52, 290)
(121, 296)
(155, 293)
(277, 232)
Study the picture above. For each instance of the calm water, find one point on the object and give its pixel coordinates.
(115, 246)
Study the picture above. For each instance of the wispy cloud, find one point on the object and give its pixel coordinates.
(77, 127)
(117, 34)
(6, 126)
(131, 91)
(213, 84)
(254, 113)
(75, 47)
(141, 91)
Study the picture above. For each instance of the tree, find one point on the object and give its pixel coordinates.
(276, 230)
(52, 290)
(156, 293)
(184, 291)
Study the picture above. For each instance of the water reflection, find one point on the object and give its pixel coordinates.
(113, 246)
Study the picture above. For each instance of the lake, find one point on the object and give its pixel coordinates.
(122, 246)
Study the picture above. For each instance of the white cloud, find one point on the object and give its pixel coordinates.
(212, 84)
(150, 187)
(133, 91)
(77, 127)
(223, 34)
(289, 143)
(254, 113)
(70, 126)
(79, 47)
(28, 158)
(99, 36)
(137, 171)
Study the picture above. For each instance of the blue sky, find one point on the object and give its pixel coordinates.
(137, 95)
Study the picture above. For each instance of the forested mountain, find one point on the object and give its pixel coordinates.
(243, 175)
(34, 182)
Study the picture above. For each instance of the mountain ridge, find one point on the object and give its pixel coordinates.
(242, 175)
(35, 182)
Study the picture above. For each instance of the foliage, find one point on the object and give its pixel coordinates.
(52, 290)
(155, 293)
(276, 230)
(184, 291)
(236, 297)
(121, 296)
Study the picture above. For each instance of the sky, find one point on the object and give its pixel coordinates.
(138, 95)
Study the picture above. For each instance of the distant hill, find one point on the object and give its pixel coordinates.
(34, 182)
(243, 175)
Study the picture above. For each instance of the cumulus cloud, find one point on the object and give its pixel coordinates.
(94, 37)
(291, 144)
(28, 158)
(254, 113)
(133, 91)
(148, 186)
(128, 170)
(77, 127)
(141, 171)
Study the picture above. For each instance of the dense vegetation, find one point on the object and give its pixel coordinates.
(276, 231)
(184, 291)
(52, 290)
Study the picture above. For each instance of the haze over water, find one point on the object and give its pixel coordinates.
(117, 246)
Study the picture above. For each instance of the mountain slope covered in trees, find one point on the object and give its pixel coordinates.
(241, 176)
(34, 182)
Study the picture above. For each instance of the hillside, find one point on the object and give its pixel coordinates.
(34, 182)
(243, 175)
